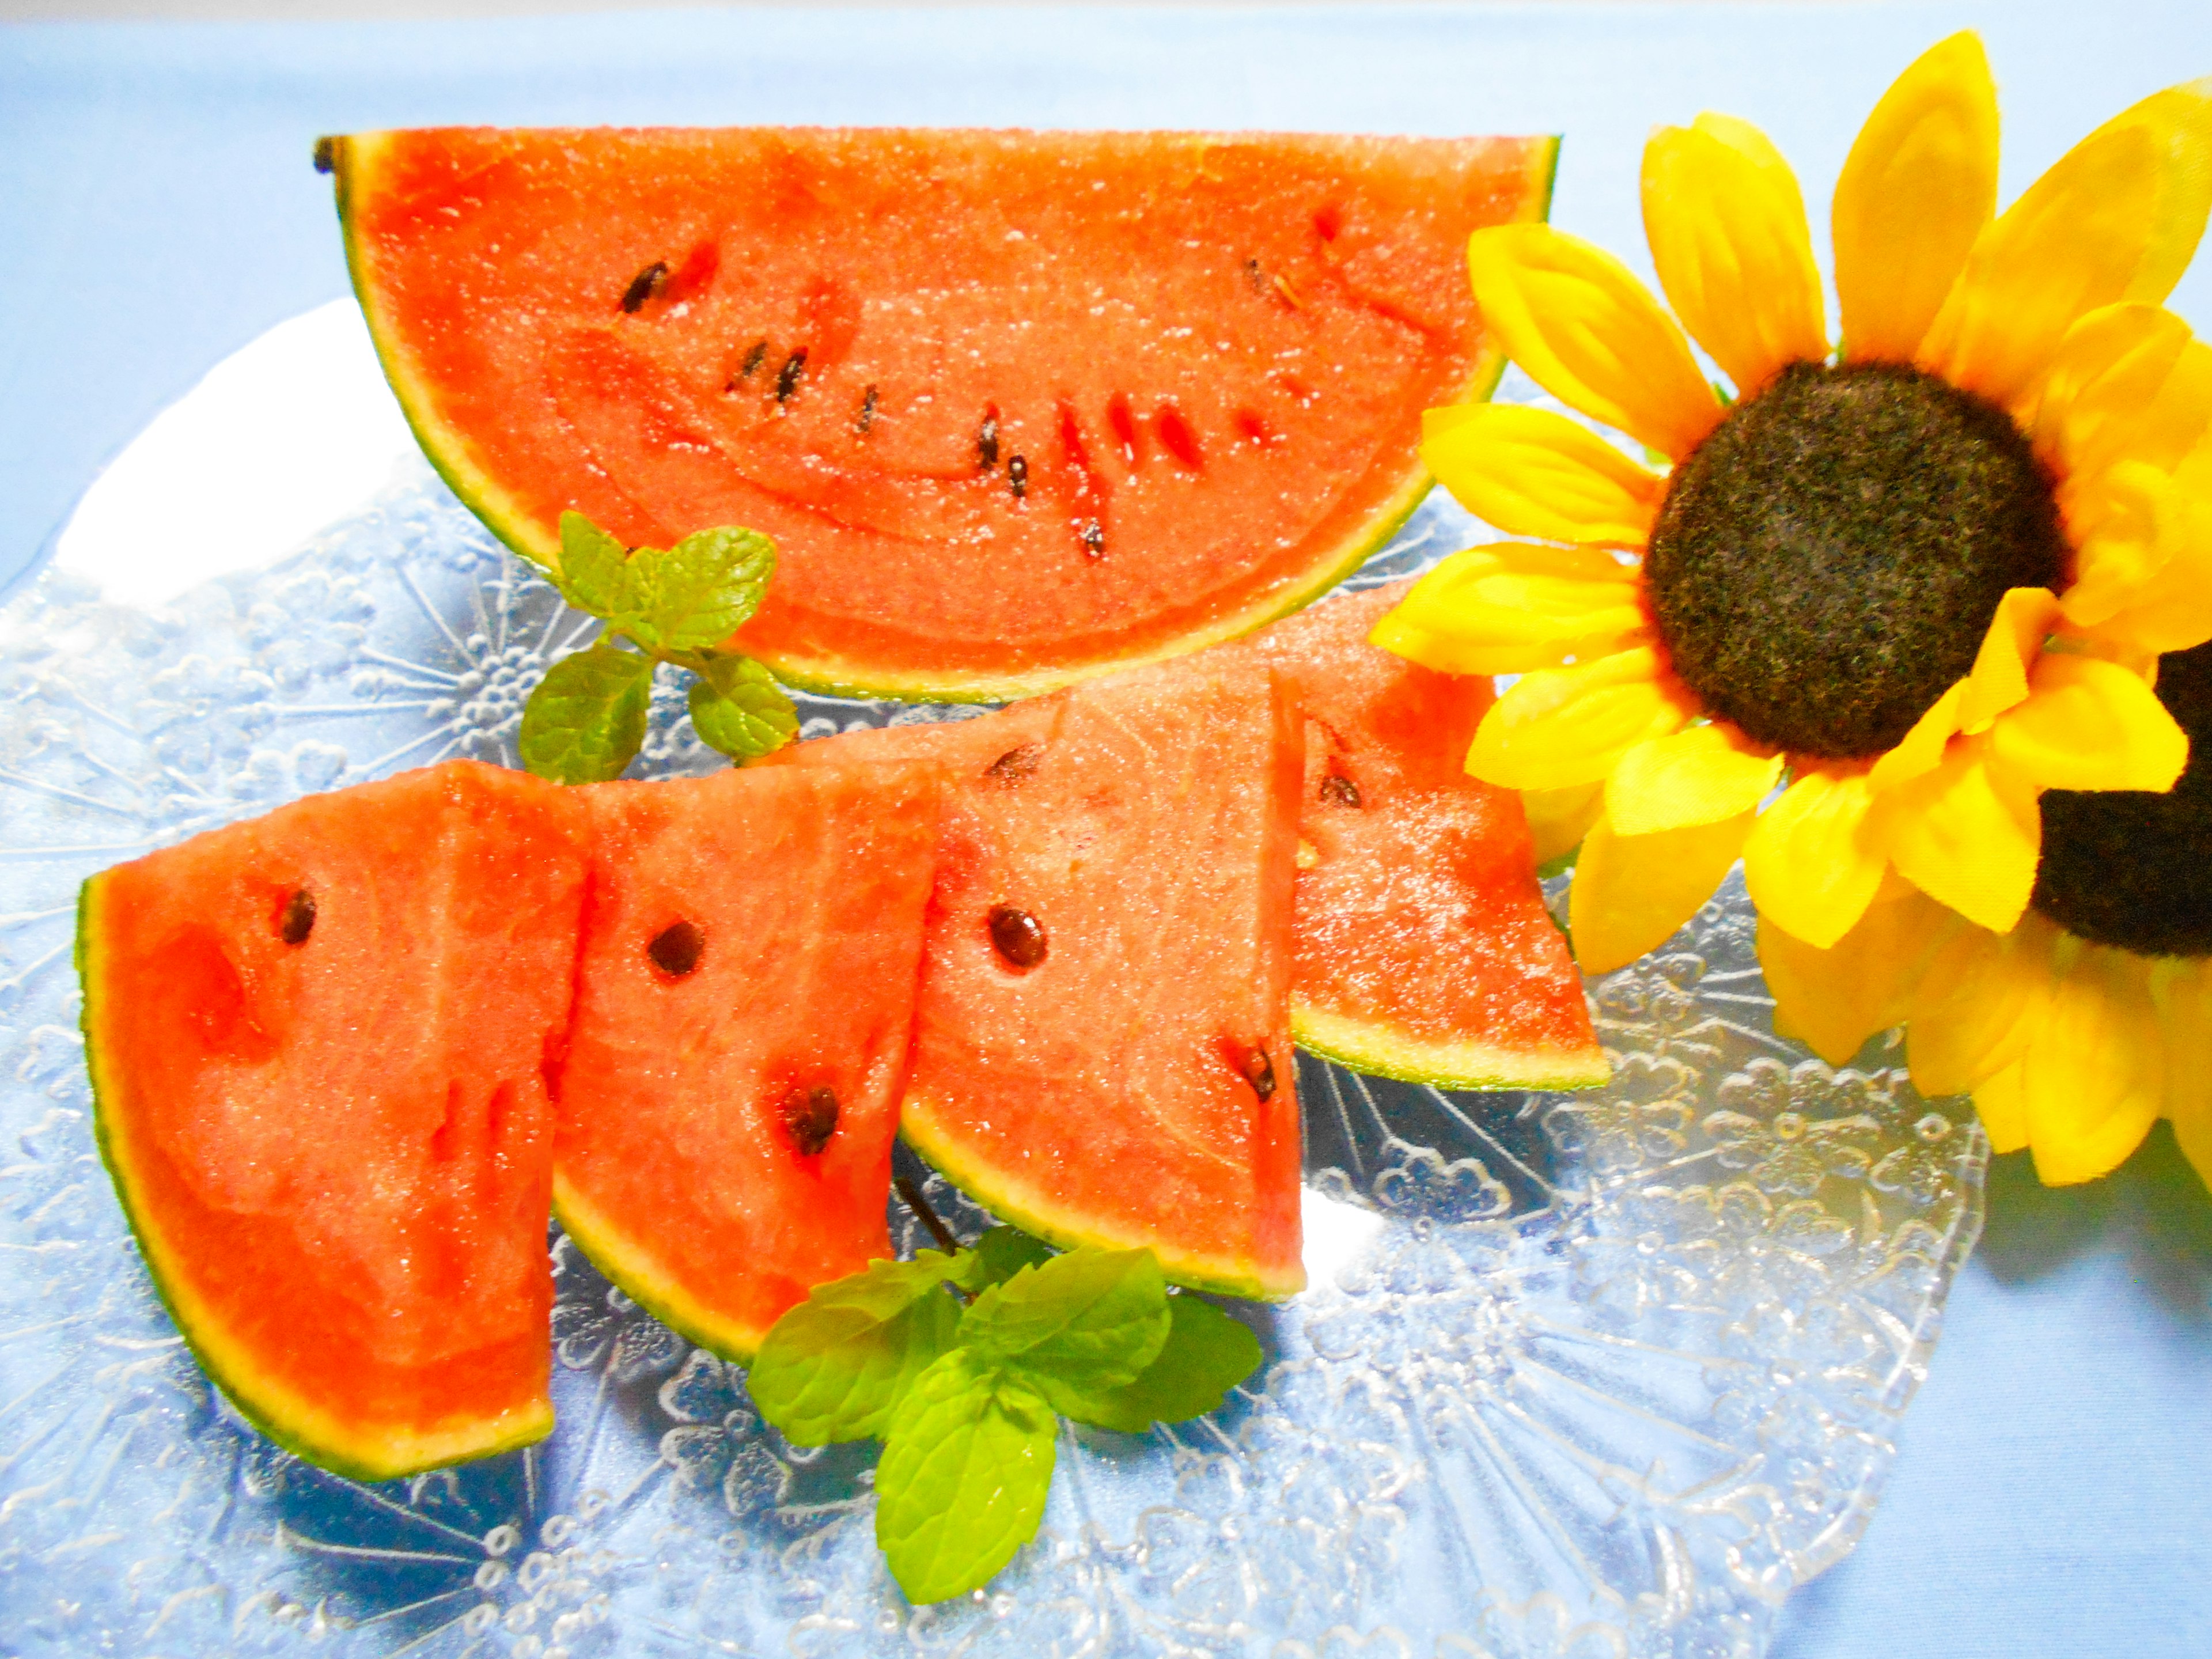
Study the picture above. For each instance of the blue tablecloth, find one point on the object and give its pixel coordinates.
(157, 210)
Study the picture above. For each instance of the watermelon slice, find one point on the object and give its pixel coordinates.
(351, 1235)
(744, 999)
(1016, 407)
(1424, 950)
(1101, 1045)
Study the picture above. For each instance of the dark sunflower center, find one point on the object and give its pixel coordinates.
(1826, 562)
(2135, 870)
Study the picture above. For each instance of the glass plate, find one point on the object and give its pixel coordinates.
(1586, 1375)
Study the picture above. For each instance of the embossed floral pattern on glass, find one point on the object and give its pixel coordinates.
(1585, 1377)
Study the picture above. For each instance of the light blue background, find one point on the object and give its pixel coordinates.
(157, 210)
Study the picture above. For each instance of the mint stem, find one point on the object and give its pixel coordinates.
(911, 1196)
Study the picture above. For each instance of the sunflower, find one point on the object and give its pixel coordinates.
(1877, 604)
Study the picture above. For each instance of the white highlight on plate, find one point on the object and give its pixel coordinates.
(1337, 1234)
(285, 436)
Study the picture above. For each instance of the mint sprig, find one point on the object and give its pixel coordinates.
(586, 720)
(966, 1398)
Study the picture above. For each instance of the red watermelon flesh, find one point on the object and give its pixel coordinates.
(1135, 1084)
(728, 1097)
(351, 1235)
(1015, 406)
(1423, 949)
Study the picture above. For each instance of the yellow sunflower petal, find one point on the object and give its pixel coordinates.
(1815, 862)
(2090, 724)
(1512, 607)
(1559, 818)
(1999, 677)
(2115, 525)
(2094, 1076)
(2169, 608)
(2072, 243)
(2182, 995)
(1726, 224)
(2002, 1105)
(1976, 1004)
(1632, 892)
(2179, 123)
(1699, 775)
(2110, 370)
(1561, 727)
(1588, 332)
(1833, 999)
(1533, 473)
(1920, 184)
(1922, 749)
(1969, 834)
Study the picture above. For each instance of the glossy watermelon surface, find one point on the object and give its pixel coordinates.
(1424, 950)
(746, 992)
(1016, 407)
(1101, 1040)
(349, 1234)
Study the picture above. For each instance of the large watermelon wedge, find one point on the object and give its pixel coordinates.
(1016, 407)
(1423, 950)
(351, 1235)
(746, 989)
(1102, 1045)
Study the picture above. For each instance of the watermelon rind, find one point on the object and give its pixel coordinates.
(354, 160)
(297, 1424)
(629, 1265)
(1380, 1050)
(1006, 1198)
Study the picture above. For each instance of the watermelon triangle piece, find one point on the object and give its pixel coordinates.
(349, 1234)
(746, 992)
(1424, 948)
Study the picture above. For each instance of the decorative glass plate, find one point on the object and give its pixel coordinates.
(1581, 1376)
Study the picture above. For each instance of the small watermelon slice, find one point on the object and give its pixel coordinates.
(1423, 949)
(349, 1234)
(745, 988)
(1102, 1043)
(1016, 407)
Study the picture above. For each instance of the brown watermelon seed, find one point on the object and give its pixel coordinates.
(1092, 535)
(754, 359)
(1018, 477)
(867, 415)
(326, 154)
(987, 440)
(1340, 789)
(810, 1116)
(676, 948)
(1256, 277)
(643, 286)
(1125, 428)
(787, 379)
(1259, 1071)
(1016, 763)
(1176, 437)
(1017, 936)
(297, 920)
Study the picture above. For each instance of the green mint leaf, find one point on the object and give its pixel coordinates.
(698, 593)
(595, 574)
(963, 1476)
(586, 720)
(738, 709)
(1000, 1253)
(836, 1366)
(1206, 1354)
(1089, 1320)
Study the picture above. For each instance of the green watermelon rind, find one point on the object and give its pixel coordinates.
(539, 545)
(1378, 1050)
(618, 1259)
(1070, 1232)
(262, 1408)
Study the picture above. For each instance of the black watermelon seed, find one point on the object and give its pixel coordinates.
(1018, 477)
(1092, 535)
(676, 948)
(810, 1116)
(987, 440)
(643, 286)
(298, 918)
(787, 379)
(754, 359)
(1259, 1072)
(1017, 936)
(868, 415)
(326, 154)
(1016, 764)
(1256, 277)
(1340, 789)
